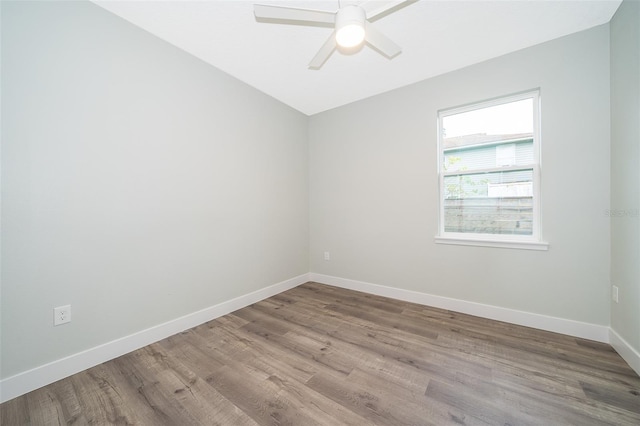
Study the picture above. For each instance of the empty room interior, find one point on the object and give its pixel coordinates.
(201, 226)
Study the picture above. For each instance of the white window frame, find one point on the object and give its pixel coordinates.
(530, 242)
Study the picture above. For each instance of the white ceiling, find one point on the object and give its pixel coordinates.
(436, 37)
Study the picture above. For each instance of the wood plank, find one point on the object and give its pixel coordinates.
(320, 355)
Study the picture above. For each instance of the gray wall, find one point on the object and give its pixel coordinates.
(374, 187)
(625, 171)
(139, 184)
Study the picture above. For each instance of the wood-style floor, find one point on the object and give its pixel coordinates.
(319, 355)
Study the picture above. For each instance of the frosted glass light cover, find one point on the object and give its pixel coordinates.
(350, 26)
(350, 35)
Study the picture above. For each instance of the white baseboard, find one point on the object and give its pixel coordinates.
(43, 375)
(626, 351)
(584, 330)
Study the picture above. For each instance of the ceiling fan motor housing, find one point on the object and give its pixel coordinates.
(350, 26)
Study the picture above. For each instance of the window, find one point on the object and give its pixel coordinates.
(489, 169)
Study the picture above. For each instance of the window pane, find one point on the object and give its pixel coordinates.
(489, 203)
(508, 118)
(518, 153)
(497, 136)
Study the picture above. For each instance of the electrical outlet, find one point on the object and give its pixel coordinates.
(327, 255)
(614, 293)
(61, 315)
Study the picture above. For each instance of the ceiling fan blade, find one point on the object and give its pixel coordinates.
(380, 42)
(323, 54)
(375, 10)
(289, 14)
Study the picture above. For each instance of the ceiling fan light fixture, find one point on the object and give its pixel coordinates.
(350, 26)
(350, 35)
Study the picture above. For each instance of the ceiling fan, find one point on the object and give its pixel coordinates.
(351, 23)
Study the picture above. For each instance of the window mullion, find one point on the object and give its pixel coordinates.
(489, 170)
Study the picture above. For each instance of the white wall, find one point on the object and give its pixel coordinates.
(625, 179)
(139, 184)
(373, 186)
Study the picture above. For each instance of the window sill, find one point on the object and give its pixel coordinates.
(521, 245)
